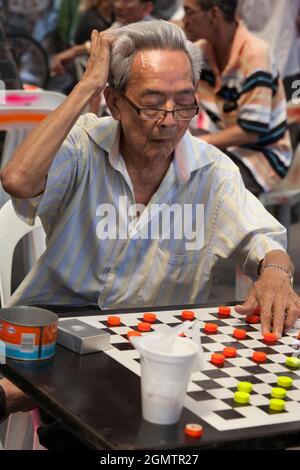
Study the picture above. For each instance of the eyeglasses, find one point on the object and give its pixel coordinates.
(189, 13)
(150, 114)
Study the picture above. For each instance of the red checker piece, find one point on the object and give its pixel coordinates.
(270, 337)
(113, 321)
(239, 334)
(256, 311)
(188, 315)
(210, 328)
(217, 359)
(193, 430)
(224, 312)
(133, 333)
(299, 335)
(259, 356)
(149, 317)
(142, 326)
(230, 352)
(251, 319)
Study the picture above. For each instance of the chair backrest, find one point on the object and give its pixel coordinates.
(20, 112)
(12, 229)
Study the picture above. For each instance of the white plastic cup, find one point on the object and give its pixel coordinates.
(164, 381)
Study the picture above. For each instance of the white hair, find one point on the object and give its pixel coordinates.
(157, 34)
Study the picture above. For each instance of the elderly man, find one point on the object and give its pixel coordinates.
(68, 167)
(76, 173)
(242, 93)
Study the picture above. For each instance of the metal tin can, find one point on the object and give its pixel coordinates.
(28, 333)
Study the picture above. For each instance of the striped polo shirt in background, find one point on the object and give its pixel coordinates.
(79, 267)
(250, 93)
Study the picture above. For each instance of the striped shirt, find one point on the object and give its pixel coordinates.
(250, 93)
(79, 267)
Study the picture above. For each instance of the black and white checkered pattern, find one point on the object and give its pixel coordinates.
(210, 392)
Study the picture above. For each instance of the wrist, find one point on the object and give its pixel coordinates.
(84, 91)
(88, 87)
(277, 260)
(278, 267)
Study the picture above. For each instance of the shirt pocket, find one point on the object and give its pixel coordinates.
(173, 278)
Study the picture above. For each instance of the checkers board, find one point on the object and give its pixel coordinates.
(210, 392)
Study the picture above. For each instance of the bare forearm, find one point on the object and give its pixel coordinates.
(234, 136)
(25, 174)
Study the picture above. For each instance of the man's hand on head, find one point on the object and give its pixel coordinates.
(97, 70)
(274, 294)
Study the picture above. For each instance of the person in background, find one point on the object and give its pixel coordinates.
(277, 24)
(95, 14)
(69, 16)
(241, 92)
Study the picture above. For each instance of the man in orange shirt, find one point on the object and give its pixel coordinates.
(241, 92)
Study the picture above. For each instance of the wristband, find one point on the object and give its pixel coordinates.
(282, 268)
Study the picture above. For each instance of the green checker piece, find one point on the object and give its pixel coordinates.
(278, 393)
(245, 387)
(285, 382)
(293, 362)
(242, 398)
(277, 405)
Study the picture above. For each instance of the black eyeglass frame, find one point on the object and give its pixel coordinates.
(190, 13)
(139, 110)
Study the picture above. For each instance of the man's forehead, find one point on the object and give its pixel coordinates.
(162, 66)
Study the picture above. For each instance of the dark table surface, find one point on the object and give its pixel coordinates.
(98, 400)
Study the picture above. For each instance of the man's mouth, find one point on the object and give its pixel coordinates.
(163, 141)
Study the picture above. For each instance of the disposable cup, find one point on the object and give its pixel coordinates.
(164, 380)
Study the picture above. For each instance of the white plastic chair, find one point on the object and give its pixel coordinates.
(20, 112)
(12, 229)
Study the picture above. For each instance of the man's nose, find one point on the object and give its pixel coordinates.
(168, 120)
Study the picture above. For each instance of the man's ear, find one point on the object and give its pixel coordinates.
(110, 96)
(215, 15)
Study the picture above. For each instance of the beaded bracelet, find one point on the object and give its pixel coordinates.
(282, 268)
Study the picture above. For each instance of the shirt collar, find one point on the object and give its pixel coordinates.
(241, 37)
(191, 153)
